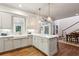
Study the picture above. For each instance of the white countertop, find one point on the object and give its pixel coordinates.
(23, 36)
(13, 36)
(6, 36)
(46, 36)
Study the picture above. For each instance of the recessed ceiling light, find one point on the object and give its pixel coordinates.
(20, 5)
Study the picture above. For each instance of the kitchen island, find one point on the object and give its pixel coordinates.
(45, 43)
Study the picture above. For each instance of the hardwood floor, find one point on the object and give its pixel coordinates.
(67, 50)
(30, 51)
(64, 50)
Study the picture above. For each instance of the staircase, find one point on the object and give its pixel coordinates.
(72, 28)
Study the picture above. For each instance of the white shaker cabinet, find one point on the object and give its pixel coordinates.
(17, 43)
(1, 45)
(8, 44)
(46, 45)
(35, 41)
(6, 22)
(39, 42)
(24, 42)
(29, 40)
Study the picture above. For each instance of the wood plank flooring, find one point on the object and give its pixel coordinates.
(30, 51)
(64, 50)
(67, 50)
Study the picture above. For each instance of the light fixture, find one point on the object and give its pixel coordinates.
(20, 5)
(49, 18)
(39, 15)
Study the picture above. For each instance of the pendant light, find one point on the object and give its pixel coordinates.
(39, 15)
(49, 18)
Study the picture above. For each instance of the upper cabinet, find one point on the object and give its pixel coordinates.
(5, 20)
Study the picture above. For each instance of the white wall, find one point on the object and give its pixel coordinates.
(33, 23)
(66, 22)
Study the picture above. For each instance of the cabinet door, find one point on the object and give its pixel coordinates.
(40, 43)
(1, 45)
(29, 41)
(24, 42)
(8, 44)
(6, 21)
(17, 43)
(34, 40)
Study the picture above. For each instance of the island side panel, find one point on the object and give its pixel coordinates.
(53, 46)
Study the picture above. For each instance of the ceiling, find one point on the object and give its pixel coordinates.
(57, 10)
(63, 10)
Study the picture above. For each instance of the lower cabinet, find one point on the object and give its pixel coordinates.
(41, 43)
(8, 44)
(46, 45)
(16, 43)
(29, 40)
(24, 42)
(53, 46)
(1, 45)
(35, 43)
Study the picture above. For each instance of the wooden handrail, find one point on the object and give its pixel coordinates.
(69, 27)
